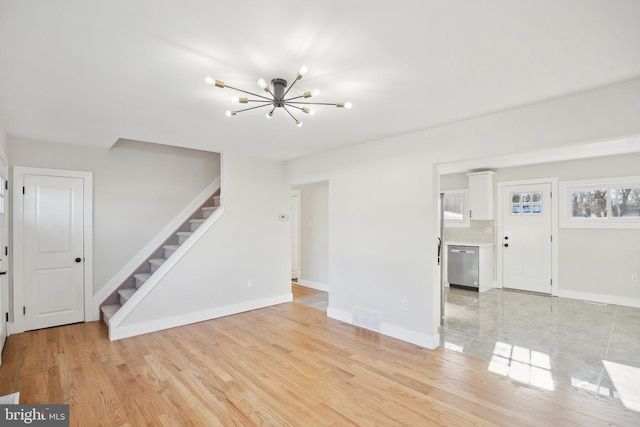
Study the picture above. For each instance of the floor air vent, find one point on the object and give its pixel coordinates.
(366, 318)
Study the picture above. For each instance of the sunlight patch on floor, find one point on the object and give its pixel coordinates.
(521, 364)
(626, 380)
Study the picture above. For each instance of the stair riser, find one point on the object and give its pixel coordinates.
(123, 300)
(206, 214)
(154, 268)
(139, 284)
(182, 239)
(169, 252)
(195, 225)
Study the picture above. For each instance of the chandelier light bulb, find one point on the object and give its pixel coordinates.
(315, 92)
(231, 113)
(262, 84)
(209, 80)
(269, 114)
(298, 123)
(348, 105)
(235, 99)
(302, 71)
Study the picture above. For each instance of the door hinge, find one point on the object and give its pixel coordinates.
(551, 239)
(24, 310)
(22, 190)
(551, 282)
(6, 185)
(550, 194)
(6, 316)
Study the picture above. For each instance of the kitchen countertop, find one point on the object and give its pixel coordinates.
(459, 243)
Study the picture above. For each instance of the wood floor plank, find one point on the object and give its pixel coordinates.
(287, 365)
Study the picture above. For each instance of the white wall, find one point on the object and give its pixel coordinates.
(314, 222)
(383, 198)
(138, 188)
(3, 140)
(249, 242)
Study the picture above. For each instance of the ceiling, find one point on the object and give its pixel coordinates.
(88, 72)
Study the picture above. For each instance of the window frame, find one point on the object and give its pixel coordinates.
(610, 221)
(464, 222)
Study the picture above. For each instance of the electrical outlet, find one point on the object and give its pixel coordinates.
(634, 278)
(405, 305)
(249, 283)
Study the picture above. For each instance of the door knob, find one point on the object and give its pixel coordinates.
(78, 259)
(506, 245)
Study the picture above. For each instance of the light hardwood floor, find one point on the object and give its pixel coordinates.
(283, 365)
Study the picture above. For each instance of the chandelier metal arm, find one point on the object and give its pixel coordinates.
(289, 88)
(250, 93)
(288, 102)
(289, 112)
(253, 108)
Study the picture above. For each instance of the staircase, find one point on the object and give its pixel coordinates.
(129, 287)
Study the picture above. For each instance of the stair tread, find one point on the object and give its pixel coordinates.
(210, 208)
(157, 261)
(142, 276)
(127, 292)
(171, 247)
(109, 310)
(196, 220)
(184, 233)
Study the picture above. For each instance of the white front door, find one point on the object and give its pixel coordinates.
(526, 237)
(295, 234)
(53, 259)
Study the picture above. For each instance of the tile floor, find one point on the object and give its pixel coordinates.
(546, 340)
(543, 341)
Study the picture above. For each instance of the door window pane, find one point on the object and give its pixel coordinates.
(526, 203)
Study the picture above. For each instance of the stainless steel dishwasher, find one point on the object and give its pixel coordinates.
(462, 266)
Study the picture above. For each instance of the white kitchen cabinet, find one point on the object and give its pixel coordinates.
(481, 195)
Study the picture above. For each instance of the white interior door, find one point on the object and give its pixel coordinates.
(4, 290)
(295, 234)
(53, 251)
(526, 237)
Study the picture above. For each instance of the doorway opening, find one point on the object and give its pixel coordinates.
(310, 244)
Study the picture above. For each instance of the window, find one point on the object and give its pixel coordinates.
(526, 203)
(455, 208)
(603, 203)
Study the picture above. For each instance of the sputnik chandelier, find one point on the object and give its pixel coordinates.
(278, 92)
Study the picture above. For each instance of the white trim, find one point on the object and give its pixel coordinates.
(313, 285)
(555, 275)
(18, 238)
(393, 331)
(188, 318)
(140, 294)
(601, 298)
(152, 246)
(298, 194)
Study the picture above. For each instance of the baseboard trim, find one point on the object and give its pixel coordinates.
(402, 334)
(126, 331)
(313, 285)
(601, 298)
